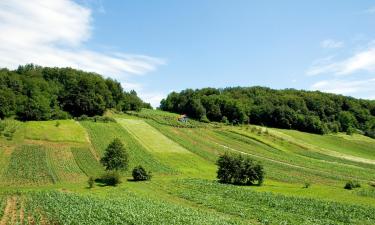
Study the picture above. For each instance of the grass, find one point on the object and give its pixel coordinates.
(166, 151)
(269, 208)
(87, 162)
(44, 170)
(64, 165)
(339, 143)
(28, 165)
(102, 134)
(66, 131)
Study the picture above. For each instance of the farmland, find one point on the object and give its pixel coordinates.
(45, 167)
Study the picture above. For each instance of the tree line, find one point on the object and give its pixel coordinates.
(310, 111)
(42, 93)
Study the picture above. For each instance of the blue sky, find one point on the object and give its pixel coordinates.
(155, 47)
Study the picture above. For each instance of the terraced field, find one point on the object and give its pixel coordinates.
(44, 167)
(167, 151)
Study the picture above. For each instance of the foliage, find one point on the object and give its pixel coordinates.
(111, 178)
(104, 119)
(91, 182)
(70, 208)
(115, 156)
(307, 185)
(43, 93)
(308, 111)
(352, 184)
(140, 174)
(239, 169)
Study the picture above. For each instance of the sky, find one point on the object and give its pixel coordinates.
(156, 47)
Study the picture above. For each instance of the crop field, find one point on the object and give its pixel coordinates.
(60, 130)
(64, 165)
(87, 161)
(166, 118)
(44, 168)
(29, 165)
(269, 208)
(101, 134)
(166, 150)
(65, 208)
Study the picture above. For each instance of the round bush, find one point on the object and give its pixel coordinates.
(140, 174)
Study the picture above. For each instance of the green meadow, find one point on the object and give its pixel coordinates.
(44, 168)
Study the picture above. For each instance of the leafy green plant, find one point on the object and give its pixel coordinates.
(352, 184)
(91, 182)
(140, 174)
(110, 178)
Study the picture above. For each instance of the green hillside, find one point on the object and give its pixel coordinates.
(44, 168)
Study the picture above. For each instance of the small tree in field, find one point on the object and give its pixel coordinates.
(140, 174)
(239, 169)
(115, 156)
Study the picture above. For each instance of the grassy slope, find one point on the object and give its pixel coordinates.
(166, 151)
(101, 134)
(290, 159)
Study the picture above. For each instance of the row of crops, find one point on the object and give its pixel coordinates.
(166, 118)
(32, 164)
(268, 208)
(68, 208)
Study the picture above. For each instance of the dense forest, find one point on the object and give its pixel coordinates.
(42, 93)
(310, 111)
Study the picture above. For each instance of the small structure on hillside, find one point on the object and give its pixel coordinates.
(183, 118)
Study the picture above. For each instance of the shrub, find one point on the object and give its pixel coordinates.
(115, 156)
(111, 178)
(307, 185)
(91, 182)
(352, 184)
(140, 174)
(239, 169)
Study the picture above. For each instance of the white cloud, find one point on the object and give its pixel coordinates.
(360, 88)
(361, 61)
(329, 43)
(53, 33)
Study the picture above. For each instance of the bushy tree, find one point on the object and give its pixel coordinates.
(111, 178)
(239, 169)
(140, 174)
(115, 156)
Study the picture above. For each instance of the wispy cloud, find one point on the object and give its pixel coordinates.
(370, 10)
(54, 33)
(329, 43)
(361, 61)
(364, 88)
